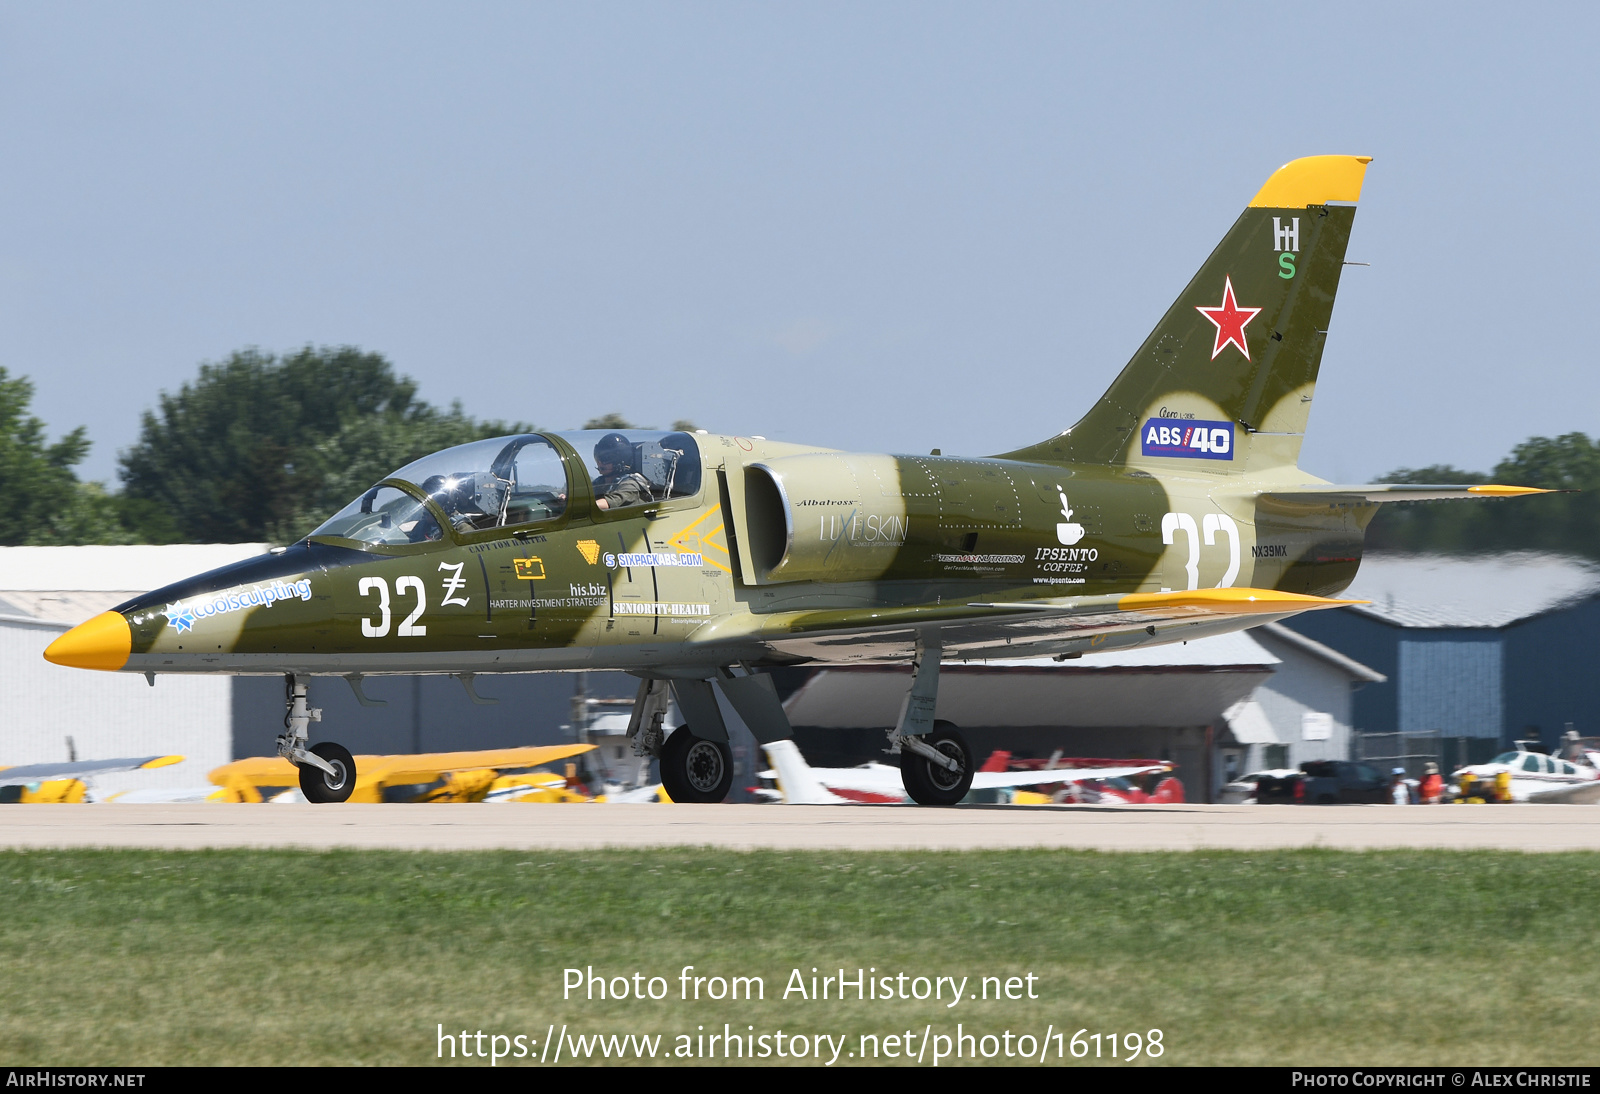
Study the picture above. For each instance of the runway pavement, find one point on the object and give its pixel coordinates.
(802, 827)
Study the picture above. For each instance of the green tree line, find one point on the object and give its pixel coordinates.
(260, 447)
(1566, 522)
(256, 448)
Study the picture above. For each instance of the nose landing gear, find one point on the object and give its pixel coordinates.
(327, 770)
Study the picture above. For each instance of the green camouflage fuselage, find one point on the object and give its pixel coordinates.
(784, 550)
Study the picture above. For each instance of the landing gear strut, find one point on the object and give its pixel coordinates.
(327, 770)
(936, 765)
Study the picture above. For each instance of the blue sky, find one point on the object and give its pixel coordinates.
(873, 226)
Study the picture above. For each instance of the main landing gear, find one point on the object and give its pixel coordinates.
(327, 770)
(694, 769)
(936, 765)
(697, 763)
(941, 779)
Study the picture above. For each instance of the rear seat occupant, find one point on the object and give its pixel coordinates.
(619, 482)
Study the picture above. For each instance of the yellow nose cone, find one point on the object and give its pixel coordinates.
(104, 642)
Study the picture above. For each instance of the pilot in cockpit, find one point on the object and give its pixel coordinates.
(619, 482)
(458, 497)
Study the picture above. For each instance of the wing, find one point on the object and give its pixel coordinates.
(1021, 628)
(871, 779)
(994, 780)
(420, 768)
(638, 796)
(427, 766)
(80, 769)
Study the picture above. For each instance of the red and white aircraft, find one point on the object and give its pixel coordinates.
(802, 784)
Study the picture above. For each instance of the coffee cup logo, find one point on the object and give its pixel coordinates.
(1067, 533)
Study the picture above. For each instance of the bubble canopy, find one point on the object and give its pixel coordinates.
(508, 481)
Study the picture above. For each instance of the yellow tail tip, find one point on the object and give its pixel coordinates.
(103, 642)
(1314, 180)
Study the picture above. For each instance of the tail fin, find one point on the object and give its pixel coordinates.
(799, 785)
(1227, 375)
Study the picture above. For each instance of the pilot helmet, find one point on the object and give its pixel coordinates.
(614, 448)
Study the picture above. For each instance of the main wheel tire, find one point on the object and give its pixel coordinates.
(929, 784)
(694, 769)
(319, 786)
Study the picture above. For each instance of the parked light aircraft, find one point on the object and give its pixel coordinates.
(50, 783)
(66, 782)
(1173, 509)
(1534, 775)
(802, 784)
(466, 776)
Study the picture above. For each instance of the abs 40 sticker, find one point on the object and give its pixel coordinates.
(1187, 439)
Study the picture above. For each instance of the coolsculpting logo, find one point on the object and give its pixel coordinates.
(1189, 440)
(183, 618)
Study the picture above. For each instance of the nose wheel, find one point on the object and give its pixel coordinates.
(320, 785)
(694, 769)
(327, 770)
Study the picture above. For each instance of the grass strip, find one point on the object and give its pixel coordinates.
(1302, 957)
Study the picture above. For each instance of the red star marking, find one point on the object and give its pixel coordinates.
(1230, 320)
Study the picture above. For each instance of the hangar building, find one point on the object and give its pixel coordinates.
(1490, 649)
(1217, 707)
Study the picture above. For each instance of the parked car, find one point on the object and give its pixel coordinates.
(1242, 791)
(1325, 782)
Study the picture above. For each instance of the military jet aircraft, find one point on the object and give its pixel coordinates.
(1172, 510)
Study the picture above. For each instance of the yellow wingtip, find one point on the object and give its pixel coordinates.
(162, 761)
(1494, 491)
(103, 642)
(1313, 180)
(1232, 601)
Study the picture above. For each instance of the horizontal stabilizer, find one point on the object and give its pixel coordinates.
(1384, 492)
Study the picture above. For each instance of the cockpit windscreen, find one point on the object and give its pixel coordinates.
(495, 483)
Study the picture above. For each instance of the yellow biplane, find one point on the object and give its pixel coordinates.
(424, 777)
